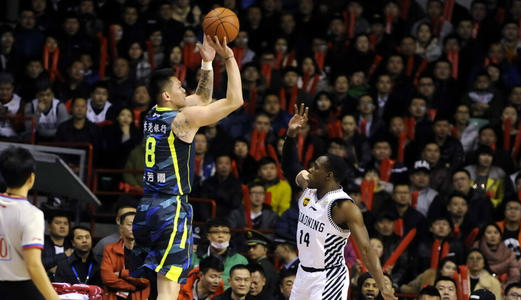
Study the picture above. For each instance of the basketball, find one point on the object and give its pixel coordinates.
(221, 22)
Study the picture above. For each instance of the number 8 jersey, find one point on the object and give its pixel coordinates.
(320, 241)
(169, 161)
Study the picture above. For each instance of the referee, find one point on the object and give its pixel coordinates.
(22, 275)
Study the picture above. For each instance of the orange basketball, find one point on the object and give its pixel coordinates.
(221, 22)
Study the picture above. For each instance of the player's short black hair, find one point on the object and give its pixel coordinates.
(73, 229)
(16, 165)
(445, 278)
(211, 262)
(238, 267)
(217, 222)
(255, 267)
(338, 166)
(159, 80)
(429, 291)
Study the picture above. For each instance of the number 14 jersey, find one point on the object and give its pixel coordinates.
(320, 241)
(169, 161)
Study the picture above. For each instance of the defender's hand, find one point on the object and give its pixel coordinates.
(298, 120)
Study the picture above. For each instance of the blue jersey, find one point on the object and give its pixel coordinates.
(169, 162)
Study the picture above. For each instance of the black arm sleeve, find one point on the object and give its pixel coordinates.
(290, 164)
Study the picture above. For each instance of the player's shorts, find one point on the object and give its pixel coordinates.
(328, 284)
(163, 233)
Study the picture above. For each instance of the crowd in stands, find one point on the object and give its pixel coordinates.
(421, 97)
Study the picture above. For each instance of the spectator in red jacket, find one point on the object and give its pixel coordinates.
(205, 281)
(116, 266)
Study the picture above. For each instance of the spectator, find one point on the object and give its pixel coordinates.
(357, 146)
(446, 268)
(81, 267)
(451, 148)
(240, 283)
(11, 59)
(75, 85)
(223, 187)
(218, 235)
(48, 112)
(440, 173)
(512, 290)
(422, 195)
(279, 118)
(381, 150)
(261, 214)
(279, 188)
(501, 260)
(429, 293)
(258, 284)
(117, 263)
(286, 251)
(205, 281)
(124, 206)
(465, 129)
(447, 288)
(367, 289)
(245, 163)
(57, 246)
(99, 108)
(204, 161)
(286, 280)
(487, 177)
(479, 273)
(10, 106)
(135, 161)
(119, 139)
(509, 226)
(401, 206)
(258, 245)
(120, 85)
(457, 209)
(28, 39)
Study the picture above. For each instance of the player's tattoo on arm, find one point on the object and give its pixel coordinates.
(205, 86)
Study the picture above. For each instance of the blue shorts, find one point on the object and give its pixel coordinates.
(163, 234)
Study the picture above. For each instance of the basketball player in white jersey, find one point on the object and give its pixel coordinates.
(327, 216)
(22, 275)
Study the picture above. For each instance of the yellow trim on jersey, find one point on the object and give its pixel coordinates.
(173, 153)
(163, 109)
(172, 236)
(188, 166)
(174, 273)
(185, 234)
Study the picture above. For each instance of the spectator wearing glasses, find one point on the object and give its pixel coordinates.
(218, 236)
(510, 227)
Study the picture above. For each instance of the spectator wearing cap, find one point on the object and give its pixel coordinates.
(429, 293)
(286, 251)
(482, 294)
(513, 291)
(261, 214)
(10, 106)
(384, 231)
(217, 244)
(124, 206)
(479, 273)
(48, 112)
(440, 232)
(446, 268)
(510, 226)
(488, 177)
(258, 245)
(258, 284)
(500, 258)
(422, 194)
(117, 263)
(205, 281)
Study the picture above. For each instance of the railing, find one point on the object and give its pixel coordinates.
(90, 155)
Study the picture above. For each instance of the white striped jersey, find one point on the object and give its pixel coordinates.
(320, 241)
(21, 227)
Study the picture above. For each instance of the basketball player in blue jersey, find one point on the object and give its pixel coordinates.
(327, 216)
(163, 223)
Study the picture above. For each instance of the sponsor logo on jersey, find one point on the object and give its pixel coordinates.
(305, 202)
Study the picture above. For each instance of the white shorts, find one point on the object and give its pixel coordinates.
(331, 284)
